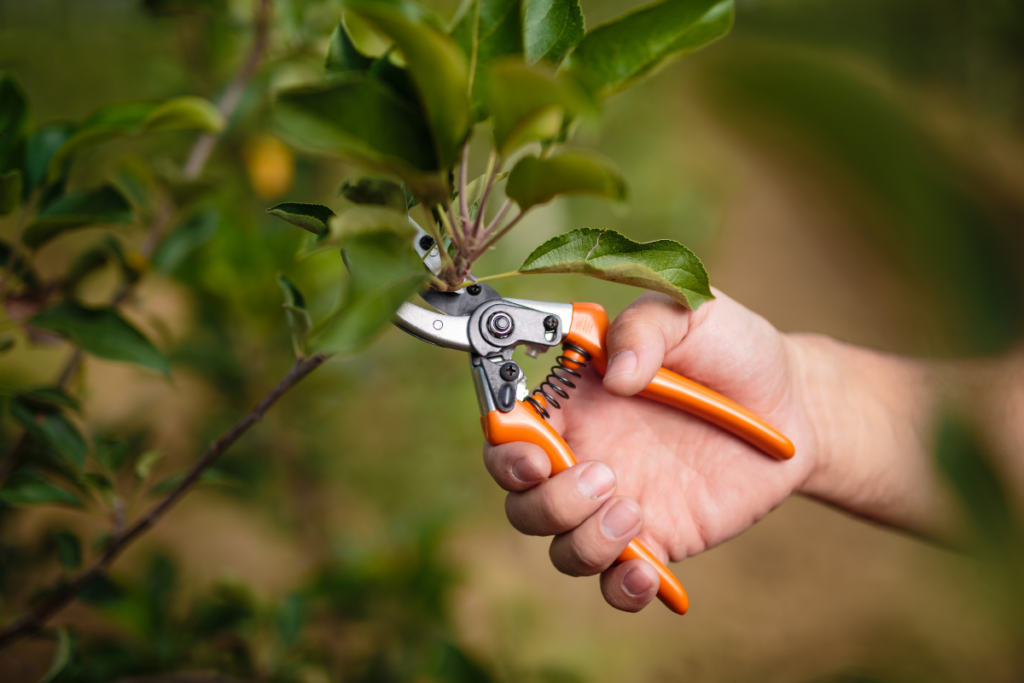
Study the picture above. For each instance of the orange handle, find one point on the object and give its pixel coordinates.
(588, 330)
(525, 424)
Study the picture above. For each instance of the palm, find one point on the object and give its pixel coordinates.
(698, 485)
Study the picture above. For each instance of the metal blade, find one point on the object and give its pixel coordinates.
(461, 302)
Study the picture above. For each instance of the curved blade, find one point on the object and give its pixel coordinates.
(461, 302)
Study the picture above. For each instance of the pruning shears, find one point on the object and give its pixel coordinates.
(478, 320)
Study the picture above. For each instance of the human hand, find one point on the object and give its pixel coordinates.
(680, 484)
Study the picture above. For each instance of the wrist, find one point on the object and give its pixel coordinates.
(871, 416)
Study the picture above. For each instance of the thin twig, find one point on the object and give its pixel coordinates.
(499, 276)
(489, 176)
(26, 625)
(490, 238)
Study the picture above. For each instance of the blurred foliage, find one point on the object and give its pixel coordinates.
(849, 89)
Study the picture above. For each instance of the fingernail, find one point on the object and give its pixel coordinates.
(624, 363)
(635, 583)
(595, 481)
(525, 471)
(620, 520)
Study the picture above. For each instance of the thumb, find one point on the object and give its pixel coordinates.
(638, 339)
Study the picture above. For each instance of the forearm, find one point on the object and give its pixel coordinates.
(874, 416)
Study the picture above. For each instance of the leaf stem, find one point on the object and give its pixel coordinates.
(446, 259)
(463, 169)
(58, 601)
(492, 162)
(499, 276)
(493, 239)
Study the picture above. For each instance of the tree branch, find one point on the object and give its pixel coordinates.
(25, 626)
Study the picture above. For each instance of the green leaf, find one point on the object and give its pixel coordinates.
(103, 333)
(7, 342)
(360, 220)
(529, 104)
(145, 463)
(377, 192)
(487, 30)
(384, 271)
(108, 251)
(29, 488)
(363, 120)
(193, 232)
(311, 217)
(615, 55)
(15, 119)
(10, 191)
(438, 68)
(20, 268)
(88, 207)
(536, 181)
(299, 321)
(662, 266)
(101, 485)
(111, 455)
(42, 145)
(185, 113)
(69, 550)
(475, 191)
(551, 29)
(60, 658)
(53, 428)
(49, 398)
(135, 118)
(342, 55)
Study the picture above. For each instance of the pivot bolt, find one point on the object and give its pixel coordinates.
(509, 372)
(551, 323)
(426, 242)
(500, 325)
(473, 290)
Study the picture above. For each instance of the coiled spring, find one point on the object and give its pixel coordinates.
(559, 383)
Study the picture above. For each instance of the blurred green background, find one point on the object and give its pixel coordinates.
(849, 167)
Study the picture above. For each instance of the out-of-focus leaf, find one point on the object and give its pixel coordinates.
(69, 550)
(615, 55)
(475, 191)
(662, 266)
(135, 179)
(189, 112)
(87, 207)
(42, 145)
(10, 191)
(360, 220)
(193, 232)
(60, 658)
(291, 618)
(375, 191)
(438, 67)
(299, 321)
(384, 271)
(551, 29)
(49, 398)
(110, 454)
(364, 120)
(29, 488)
(101, 485)
(487, 30)
(52, 427)
(364, 37)
(528, 104)
(101, 592)
(7, 342)
(311, 217)
(20, 268)
(144, 463)
(342, 55)
(108, 251)
(536, 181)
(135, 118)
(103, 333)
(15, 119)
